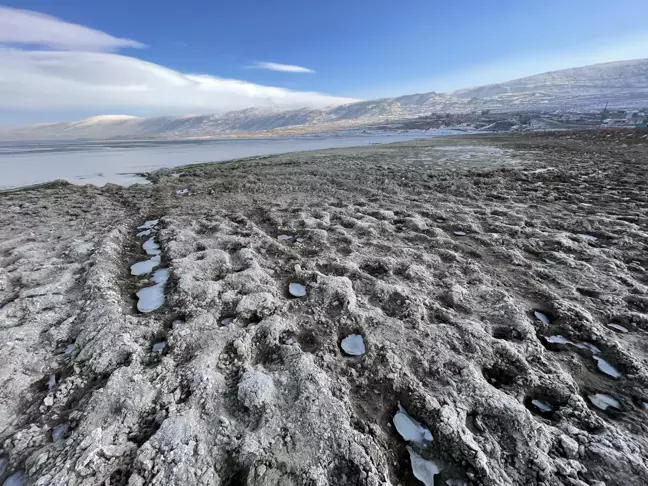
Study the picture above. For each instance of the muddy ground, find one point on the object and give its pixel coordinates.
(439, 253)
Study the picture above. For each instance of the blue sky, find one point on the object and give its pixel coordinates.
(357, 49)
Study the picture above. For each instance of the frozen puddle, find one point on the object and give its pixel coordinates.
(353, 345)
(617, 327)
(152, 298)
(607, 368)
(145, 267)
(603, 401)
(558, 340)
(150, 224)
(151, 247)
(541, 317)
(158, 347)
(16, 479)
(60, 431)
(424, 469)
(297, 290)
(542, 406)
(411, 430)
(284, 237)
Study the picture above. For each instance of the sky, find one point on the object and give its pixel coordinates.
(66, 60)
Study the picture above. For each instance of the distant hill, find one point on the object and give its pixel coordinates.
(622, 84)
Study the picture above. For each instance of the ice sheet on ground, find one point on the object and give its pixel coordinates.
(607, 368)
(4, 464)
(410, 429)
(353, 345)
(51, 382)
(424, 470)
(603, 401)
(284, 237)
(145, 267)
(182, 192)
(144, 233)
(589, 238)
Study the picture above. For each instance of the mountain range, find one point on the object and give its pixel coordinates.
(622, 84)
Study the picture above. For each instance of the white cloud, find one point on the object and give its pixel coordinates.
(286, 68)
(105, 82)
(24, 27)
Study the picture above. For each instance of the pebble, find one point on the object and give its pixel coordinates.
(353, 345)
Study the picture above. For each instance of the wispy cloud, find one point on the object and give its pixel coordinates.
(286, 68)
(25, 27)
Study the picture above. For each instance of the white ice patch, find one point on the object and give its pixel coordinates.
(16, 479)
(603, 401)
(297, 290)
(227, 321)
(151, 247)
(284, 237)
(424, 470)
(618, 327)
(158, 347)
(589, 346)
(558, 340)
(152, 298)
(543, 318)
(460, 233)
(182, 192)
(69, 349)
(410, 429)
(149, 224)
(145, 267)
(607, 368)
(353, 345)
(51, 382)
(59, 431)
(144, 233)
(588, 238)
(542, 406)
(4, 464)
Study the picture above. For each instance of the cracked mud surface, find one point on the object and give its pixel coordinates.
(438, 256)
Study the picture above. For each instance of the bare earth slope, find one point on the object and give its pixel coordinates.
(438, 253)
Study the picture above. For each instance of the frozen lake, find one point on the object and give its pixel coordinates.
(100, 162)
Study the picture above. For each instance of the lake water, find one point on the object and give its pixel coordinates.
(100, 162)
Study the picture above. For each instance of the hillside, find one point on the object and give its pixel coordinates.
(622, 84)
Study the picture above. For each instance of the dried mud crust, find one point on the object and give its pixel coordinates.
(437, 252)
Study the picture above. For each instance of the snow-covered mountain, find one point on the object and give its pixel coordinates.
(622, 84)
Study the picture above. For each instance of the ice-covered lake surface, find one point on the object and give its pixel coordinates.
(118, 162)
